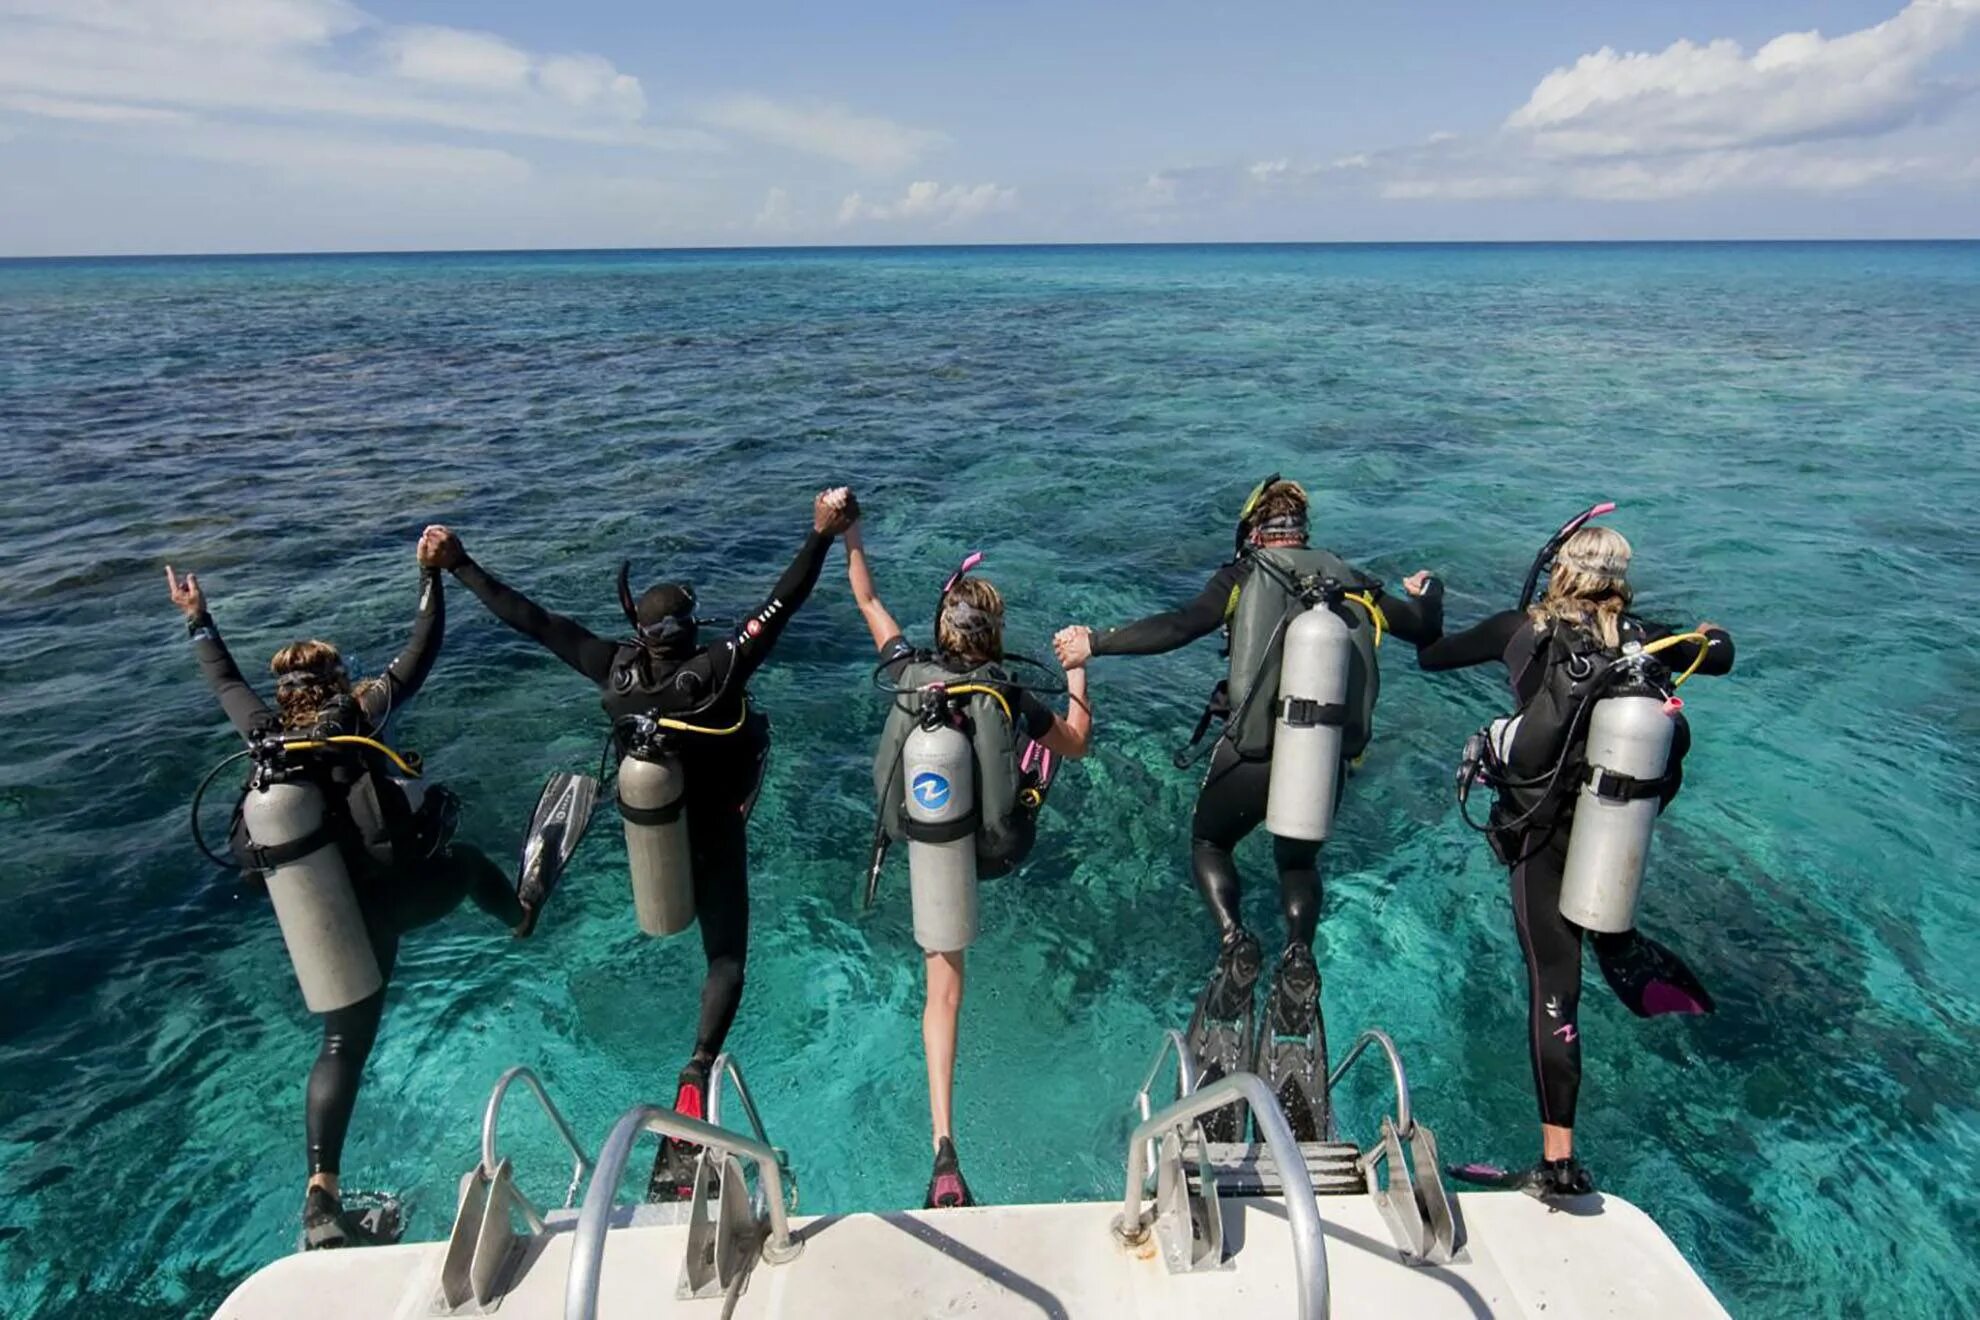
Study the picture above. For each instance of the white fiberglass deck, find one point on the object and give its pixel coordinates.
(1519, 1258)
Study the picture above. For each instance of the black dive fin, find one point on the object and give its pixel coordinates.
(563, 814)
(375, 1219)
(1648, 978)
(1219, 1036)
(1291, 1054)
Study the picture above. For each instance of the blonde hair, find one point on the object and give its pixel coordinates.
(315, 676)
(1589, 587)
(981, 643)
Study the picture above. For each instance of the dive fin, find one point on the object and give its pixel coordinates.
(563, 814)
(1550, 1180)
(1220, 1031)
(1648, 978)
(1291, 1054)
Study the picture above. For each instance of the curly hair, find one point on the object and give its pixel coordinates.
(309, 677)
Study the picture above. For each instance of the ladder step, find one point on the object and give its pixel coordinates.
(1251, 1170)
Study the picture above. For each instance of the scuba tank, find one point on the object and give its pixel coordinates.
(938, 765)
(291, 842)
(1309, 718)
(1627, 754)
(651, 790)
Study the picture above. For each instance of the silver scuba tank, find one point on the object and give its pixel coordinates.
(938, 766)
(651, 787)
(314, 902)
(1306, 737)
(1628, 748)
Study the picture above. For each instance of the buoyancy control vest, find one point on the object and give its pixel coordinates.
(375, 822)
(990, 723)
(1262, 605)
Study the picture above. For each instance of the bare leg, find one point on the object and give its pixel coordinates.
(938, 1036)
(1556, 1142)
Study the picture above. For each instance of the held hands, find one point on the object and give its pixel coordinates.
(1074, 646)
(186, 595)
(834, 510)
(439, 548)
(1418, 582)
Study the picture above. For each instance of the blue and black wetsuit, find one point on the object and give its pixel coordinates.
(723, 773)
(426, 883)
(1548, 941)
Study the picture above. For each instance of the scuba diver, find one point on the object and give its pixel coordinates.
(692, 750)
(1292, 614)
(370, 856)
(968, 809)
(1591, 756)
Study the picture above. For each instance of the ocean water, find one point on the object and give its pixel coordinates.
(1793, 433)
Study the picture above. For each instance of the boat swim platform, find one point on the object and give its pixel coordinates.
(1518, 1256)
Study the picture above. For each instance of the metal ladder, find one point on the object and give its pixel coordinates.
(728, 1226)
(1191, 1175)
(484, 1248)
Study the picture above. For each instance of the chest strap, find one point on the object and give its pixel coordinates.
(1300, 713)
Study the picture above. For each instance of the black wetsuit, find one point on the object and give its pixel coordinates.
(1231, 802)
(1550, 943)
(1034, 721)
(393, 900)
(723, 773)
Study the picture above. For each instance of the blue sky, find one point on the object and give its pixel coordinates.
(285, 125)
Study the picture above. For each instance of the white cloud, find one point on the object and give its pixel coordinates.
(252, 61)
(88, 112)
(316, 158)
(865, 142)
(1269, 171)
(454, 57)
(929, 202)
(1798, 87)
(778, 215)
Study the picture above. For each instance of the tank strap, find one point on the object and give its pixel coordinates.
(666, 815)
(281, 854)
(948, 831)
(1301, 713)
(1614, 787)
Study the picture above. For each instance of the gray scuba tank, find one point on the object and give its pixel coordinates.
(1309, 718)
(938, 766)
(1615, 811)
(314, 902)
(651, 787)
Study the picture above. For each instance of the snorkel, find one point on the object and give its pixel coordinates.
(962, 617)
(1543, 562)
(671, 634)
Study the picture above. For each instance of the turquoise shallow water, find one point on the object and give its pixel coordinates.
(1791, 431)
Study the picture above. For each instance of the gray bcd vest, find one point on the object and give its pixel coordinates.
(1262, 606)
(991, 736)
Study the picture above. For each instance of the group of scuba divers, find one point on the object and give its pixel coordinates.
(354, 848)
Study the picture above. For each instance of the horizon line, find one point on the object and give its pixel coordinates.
(1018, 245)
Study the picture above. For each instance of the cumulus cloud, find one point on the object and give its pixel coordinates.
(865, 142)
(1798, 87)
(930, 203)
(250, 61)
(778, 215)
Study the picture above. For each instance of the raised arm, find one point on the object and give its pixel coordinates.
(832, 512)
(408, 670)
(1070, 735)
(878, 621)
(1157, 633)
(245, 709)
(565, 638)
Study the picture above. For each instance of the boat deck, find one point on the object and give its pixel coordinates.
(1600, 1257)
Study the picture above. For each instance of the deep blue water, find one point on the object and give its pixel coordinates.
(1791, 431)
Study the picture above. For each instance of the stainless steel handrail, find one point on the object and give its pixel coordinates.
(1186, 1074)
(725, 1066)
(1405, 1121)
(588, 1245)
(581, 1163)
(1302, 1209)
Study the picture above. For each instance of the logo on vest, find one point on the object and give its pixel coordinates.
(931, 791)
